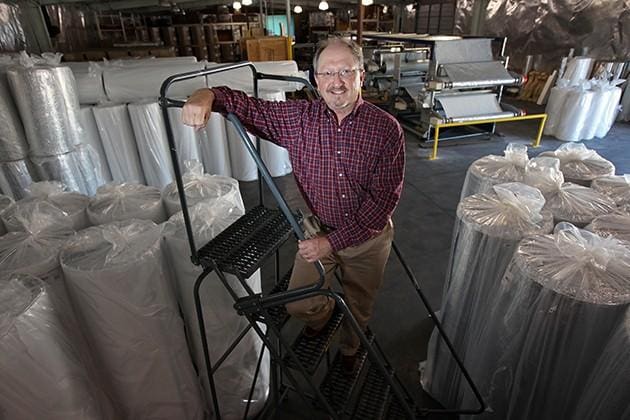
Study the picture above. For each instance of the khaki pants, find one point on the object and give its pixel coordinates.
(362, 268)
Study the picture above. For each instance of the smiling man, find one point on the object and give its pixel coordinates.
(348, 161)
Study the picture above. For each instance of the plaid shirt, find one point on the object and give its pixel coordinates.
(351, 174)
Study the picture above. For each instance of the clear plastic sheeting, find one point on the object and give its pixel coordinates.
(561, 300)
(490, 170)
(200, 187)
(47, 201)
(120, 286)
(48, 104)
(544, 174)
(89, 78)
(118, 202)
(119, 143)
(5, 202)
(472, 74)
(615, 224)
(578, 70)
(616, 187)
(276, 158)
(13, 145)
(581, 165)
(242, 78)
(93, 139)
(488, 229)
(577, 204)
(606, 393)
(459, 106)
(233, 379)
(15, 177)
(187, 139)
(555, 105)
(136, 82)
(90, 167)
(215, 153)
(575, 114)
(12, 36)
(463, 50)
(152, 142)
(43, 372)
(241, 162)
(65, 168)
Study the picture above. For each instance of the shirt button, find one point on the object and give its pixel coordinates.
(340, 174)
(339, 130)
(343, 196)
(346, 214)
(338, 152)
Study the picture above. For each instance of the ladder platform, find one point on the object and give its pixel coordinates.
(373, 397)
(310, 351)
(338, 385)
(245, 244)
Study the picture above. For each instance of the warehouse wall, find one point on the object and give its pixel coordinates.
(550, 27)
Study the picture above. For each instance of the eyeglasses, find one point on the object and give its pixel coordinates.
(345, 74)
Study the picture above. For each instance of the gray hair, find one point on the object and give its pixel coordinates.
(355, 49)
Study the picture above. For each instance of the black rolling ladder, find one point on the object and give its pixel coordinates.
(373, 391)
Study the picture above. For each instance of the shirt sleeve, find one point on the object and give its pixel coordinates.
(381, 199)
(278, 122)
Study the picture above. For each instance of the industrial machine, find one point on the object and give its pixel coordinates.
(429, 80)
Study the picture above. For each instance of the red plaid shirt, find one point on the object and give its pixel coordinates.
(350, 173)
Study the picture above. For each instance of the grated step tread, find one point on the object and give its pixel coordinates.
(278, 314)
(373, 397)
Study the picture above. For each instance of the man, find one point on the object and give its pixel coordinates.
(348, 160)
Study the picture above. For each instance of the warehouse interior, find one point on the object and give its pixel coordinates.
(144, 263)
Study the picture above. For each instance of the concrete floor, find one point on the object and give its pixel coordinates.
(424, 222)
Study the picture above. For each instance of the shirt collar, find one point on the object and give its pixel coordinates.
(353, 114)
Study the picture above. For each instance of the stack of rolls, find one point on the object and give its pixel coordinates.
(117, 202)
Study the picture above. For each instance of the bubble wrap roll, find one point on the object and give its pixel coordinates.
(615, 187)
(579, 164)
(610, 114)
(561, 299)
(187, 139)
(124, 202)
(93, 139)
(43, 372)
(575, 115)
(598, 109)
(49, 108)
(90, 167)
(5, 202)
(614, 224)
(215, 153)
(15, 177)
(150, 133)
(241, 78)
(276, 158)
(554, 109)
(119, 143)
(66, 209)
(89, 78)
(242, 164)
(13, 145)
(233, 379)
(120, 285)
(578, 205)
(63, 168)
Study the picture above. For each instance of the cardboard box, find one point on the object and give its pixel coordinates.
(267, 49)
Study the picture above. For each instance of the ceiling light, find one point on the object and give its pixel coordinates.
(409, 7)
(236, 5)
(367, 2)
(246, 2)
(385, 9)
(323, 5)
(297, 9)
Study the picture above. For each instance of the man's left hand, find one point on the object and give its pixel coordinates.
(314, 249)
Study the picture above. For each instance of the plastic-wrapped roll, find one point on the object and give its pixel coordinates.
(561, 299)
(577, 204)
(200, 187)
(119, 283)
(555, 105)
(241, 78)
(5, 202)
(575, 115)
(13, 145)
(136, 82)
(615, 224)
(215, 153)
(43, 372)
(89, 78)
(233, 379)
(47, 100)
(276, 158)
(124, 202)
(15, 177)
(492, 170)
(47, 201)
(606, 393)
(150, 133)
(624, 115)
(615, 187)
(187, 139)
(488, 229)
(242, 164)
(93, 139)
(579, 164)
(610, 113)
(601, 98)
(63, 168)
(90, 167)
(119, 143)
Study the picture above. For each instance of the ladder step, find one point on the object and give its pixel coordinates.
(245, 244)
(338, 386)
(310, 351)
(395, 411)
(278, 314)
(373, 397)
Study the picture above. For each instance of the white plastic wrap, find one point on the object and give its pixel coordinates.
(187, 139)
(201, 187)
(624, 115)
(215, 153)
(276, 158)
(233, 379)
(150, 133)
(90, 167)
(575, 114)
(65, 168)
(555, 105)
(92, 138)
(578, 70)
(488, 229)
(119, 143)
(579, 164)
(615, 224)
(131, 83)
(5, 202)
(610, 113)
(15, 177)
(13, 145)
(561, 299)
(45, 368)
(242, 164)
(490, 170)
(119, 283)
(577, 204)
(117, 202)
(241, 78)
(616, 187)
(89, 78)
(47, 201)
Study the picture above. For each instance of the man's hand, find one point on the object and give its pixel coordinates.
(197, 109)
(314, 249)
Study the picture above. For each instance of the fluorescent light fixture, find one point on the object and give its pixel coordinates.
(246, 2)
(236, 5)
(297, 9)
(367, 2)
(385, 9)
(323, 5)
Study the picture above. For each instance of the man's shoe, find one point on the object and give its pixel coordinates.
(349, 363)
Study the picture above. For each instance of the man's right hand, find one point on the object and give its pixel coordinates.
(197, 109)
